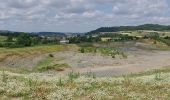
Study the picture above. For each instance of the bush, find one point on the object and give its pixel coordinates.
(82, 50)
(51, 55)
(23, 40)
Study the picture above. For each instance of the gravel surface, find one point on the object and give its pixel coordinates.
(138, 60)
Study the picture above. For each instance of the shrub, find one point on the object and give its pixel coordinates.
(51, 55)
(24, 39)
(82, 50)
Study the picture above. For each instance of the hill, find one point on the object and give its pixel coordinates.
(155, 27)
(49, 34)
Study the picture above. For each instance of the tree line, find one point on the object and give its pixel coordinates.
(25, 40)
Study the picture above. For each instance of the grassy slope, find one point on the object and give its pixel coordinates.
(5, 52)
(155, 85)
(32, 51)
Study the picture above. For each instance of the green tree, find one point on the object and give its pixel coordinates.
(23, 40)
(9, 38)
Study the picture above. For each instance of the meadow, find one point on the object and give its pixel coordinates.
(151, 85)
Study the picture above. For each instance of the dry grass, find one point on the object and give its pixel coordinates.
(77, 87)
(37, 50)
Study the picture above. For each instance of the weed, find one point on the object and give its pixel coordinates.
(90, 75)
(157, 76)
(4, 77)
(60, 82)
(126, 81)
(72, 75)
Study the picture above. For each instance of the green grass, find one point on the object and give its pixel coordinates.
(44, 63)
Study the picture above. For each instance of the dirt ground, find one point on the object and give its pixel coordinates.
(141, 57)
(107, 66)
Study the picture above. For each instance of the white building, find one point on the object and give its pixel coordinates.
(64, 41)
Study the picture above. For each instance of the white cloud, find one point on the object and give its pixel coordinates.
(70, 13)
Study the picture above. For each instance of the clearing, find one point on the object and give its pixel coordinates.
(142, 56)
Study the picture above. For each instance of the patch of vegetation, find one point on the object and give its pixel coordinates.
(44, 64)
(43, 49)
(83, 39)
(56, 67)
(3, 38)
(51, 55)
(117, 37)
(104, 51)
(21, 39)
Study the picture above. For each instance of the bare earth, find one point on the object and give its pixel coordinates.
(106, 66)
(141, 57)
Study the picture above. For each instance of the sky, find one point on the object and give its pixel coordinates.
(80, 15)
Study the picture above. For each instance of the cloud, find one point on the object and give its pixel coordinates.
(58, 15)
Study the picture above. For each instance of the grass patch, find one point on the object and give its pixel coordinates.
(45, 65)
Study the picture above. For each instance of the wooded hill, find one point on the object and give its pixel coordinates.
(155, 27)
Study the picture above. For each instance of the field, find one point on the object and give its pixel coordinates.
(96, 71)
(2, 38)
(144, 86)
(140, 33)
(103, 59)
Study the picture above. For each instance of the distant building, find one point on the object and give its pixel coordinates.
(106, 39)
(123, 33)
(108, 32)
(64, 41)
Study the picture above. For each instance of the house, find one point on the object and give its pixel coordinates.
(105, 39)
(64, 41)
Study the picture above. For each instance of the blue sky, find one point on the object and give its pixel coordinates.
(80, 15)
